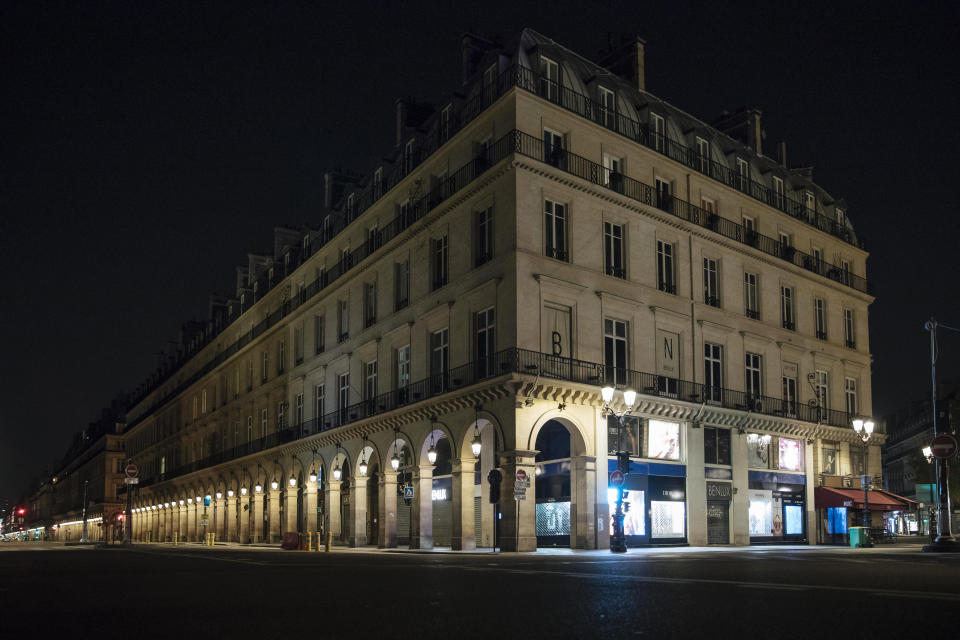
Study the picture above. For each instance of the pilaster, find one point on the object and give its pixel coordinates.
(464, 536)
(421, 516)
(518, 525)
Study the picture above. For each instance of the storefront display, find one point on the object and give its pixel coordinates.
(667, 519)
(791, 455)
(634, 520)
(664, 440)
(761, 513)
(656, 493)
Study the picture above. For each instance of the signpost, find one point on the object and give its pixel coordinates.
(131, 472)
(520, 485)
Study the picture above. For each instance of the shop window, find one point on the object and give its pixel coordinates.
(664, 440)
(793, 516)
(634, 521)
(632, 435)
(761, 512)
(791, 455)
(830, 462)
(716, 445)
(836, 520)
(667, 519)
(758, 451)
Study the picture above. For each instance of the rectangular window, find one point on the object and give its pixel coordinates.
(841, 218)
(786, 308)
(743, 174)
(553, 148)
(401, 285)
(485, 343)
(378, 182)
(809, 203)
(713, 372)
(613, 249)
(281, 423)
(751, 295)
(351, 206)
(370, 382)
(716, 445)
(608, 108)
(789, 395)
(408, 156)
(754, 376)
(664, 194)
(249, 374)
(281, 356)
(370, 304)
(703, 156)
(615, 350)
(439, 262)
(439, 360)
(318, 333)
(482, 236)
(555, 224)
(613, 172)
(263, 366)
(820, 318)
(203, 402)
(779, 198)
(711, 282)
(319, 404)
(249, 428)
(298, 344)
(445, 123)
(343, 320)
(850, 389)
(549, 79)
(629, 438)
(298, 407)
(822, 386)
(849, 330)
(343, 395)
(403, 367)
(658, 130)
(263, 423)
(665, 275)
(829, 460)
(404, 215)
(709, 206)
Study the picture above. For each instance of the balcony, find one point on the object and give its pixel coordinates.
(667, 287)
(753, 314)
(531, 363)
(851, 344)
(557, 254)
(712, 301)
(616, 272)
(821, 335)
(789, 325)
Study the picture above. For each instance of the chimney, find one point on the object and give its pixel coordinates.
(628, 60)
(782, 154)
(744, 125)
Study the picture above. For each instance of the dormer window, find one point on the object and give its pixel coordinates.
(779, 198)
(703, 155)
(351, 205)
(549, 79)
(841, 218)
(657, 132)
(490, 76)
(809, 202)
(608, 107)
(408, 157)
(743, 174)
(445, 122)
(378, 182)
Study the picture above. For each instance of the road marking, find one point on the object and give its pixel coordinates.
(891, 593)
(203, 556)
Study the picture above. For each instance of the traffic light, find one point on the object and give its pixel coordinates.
(494, 478)
(21, 511)
(119, 517)
(623, 462)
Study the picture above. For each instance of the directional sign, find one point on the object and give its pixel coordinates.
(131, 470)
(616, 478)
(131, 480)
(943, 446)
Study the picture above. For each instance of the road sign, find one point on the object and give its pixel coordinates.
(131, 480)
(408, 492)
(131, 470)
(204, 522)
(520, 485)
(943, 446)
(616, 478)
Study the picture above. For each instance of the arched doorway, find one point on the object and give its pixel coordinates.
(404, 504)
(344, 534)
(441, 496)
(373, 505)
(553, 485)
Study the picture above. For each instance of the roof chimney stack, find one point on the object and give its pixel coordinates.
(782, 154)
(628, 60)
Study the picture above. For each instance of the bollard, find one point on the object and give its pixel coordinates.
(319, 534)
(329, 541)
(309, 540)
(176, 538)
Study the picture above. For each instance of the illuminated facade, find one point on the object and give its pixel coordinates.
(552, 228)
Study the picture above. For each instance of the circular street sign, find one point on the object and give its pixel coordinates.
(131, 471)
(943, 446)
(521, 475)
(616, 478)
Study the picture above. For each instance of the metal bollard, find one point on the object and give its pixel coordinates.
(176, 538)
(329, 541)
(309, 540)
(317, 548)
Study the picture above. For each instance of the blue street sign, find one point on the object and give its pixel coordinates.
(206, 501)
(408, 493)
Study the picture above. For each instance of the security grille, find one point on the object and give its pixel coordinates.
(553, 519)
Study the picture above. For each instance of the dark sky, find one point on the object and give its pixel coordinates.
(145, 147)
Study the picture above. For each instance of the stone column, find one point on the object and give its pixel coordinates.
(191, 522)
(183, 522)
(310, 506)
(243, 514)
(274, 515)
(583, 486)
(174, 519)
(487, 517)
(219, 509)
(421, 515)
(464, 537)
(358, 511)
(518, 526)
(256, 521)
(696, 489)
(387, 525)
(230, 528)
(808, 504)
(332, 501)
(290, 511)
(741, 489)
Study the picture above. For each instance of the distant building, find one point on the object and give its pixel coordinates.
(549, 228)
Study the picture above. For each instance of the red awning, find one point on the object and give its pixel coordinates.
(878, 500)
(911, 504)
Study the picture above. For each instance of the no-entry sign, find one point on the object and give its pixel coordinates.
(616, 478)
(943, 446)
(131, 470)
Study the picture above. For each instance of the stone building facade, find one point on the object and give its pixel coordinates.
(552, 228)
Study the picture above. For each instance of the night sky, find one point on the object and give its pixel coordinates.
(145, 147)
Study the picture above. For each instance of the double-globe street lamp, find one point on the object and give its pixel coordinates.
(618, 543)
(864, 429)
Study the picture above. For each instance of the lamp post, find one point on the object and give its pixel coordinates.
(83, 530)
(864, 429)
(618, 543)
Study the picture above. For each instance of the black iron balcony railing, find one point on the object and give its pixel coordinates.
(616, 271)
(712, 301)
(519, 361)
(821, 335)
(642, 133)
(753, 314)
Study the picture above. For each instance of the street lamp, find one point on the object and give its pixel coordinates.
(395, 459)
(337, 469)
(476, 445)
(619, 544)
(274, 485)
(293, 481)
(864, 429)
(927, 453)
(313, 467)
(362, 467)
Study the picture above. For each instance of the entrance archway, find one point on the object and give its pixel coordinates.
(553, 494)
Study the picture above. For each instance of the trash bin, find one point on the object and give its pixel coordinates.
(859, 537)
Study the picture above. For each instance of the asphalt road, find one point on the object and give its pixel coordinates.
(186, 592)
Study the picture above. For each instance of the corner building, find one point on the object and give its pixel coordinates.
(550, 229)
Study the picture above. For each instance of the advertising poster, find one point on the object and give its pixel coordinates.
(791, 455)
(664, 440)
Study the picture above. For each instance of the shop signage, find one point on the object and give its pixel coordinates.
(719, 491)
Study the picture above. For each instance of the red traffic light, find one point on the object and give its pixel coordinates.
(119, 516)
(21, 511)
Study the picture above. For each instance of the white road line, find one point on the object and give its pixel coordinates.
(203, 557)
